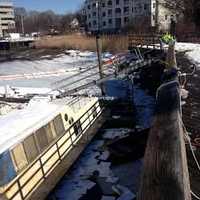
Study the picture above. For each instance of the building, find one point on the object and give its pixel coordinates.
(114, 15)
(7, 17)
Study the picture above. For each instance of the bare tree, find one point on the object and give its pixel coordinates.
(45, 22)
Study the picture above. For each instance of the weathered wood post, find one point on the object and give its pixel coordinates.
(165, 174)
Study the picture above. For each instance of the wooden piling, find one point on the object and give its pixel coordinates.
(165, 173)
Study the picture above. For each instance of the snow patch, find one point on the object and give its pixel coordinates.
(192, 51)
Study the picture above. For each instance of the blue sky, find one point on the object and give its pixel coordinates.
(59, 6)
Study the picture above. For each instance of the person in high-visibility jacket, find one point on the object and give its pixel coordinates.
(167, 38)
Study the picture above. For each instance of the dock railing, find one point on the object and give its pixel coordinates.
(144, 41)
(165, 173)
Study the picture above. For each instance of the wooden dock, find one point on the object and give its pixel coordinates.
(165, 174)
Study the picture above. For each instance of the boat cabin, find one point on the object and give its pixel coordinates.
(34, 141)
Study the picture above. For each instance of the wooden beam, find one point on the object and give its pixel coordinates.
(165, 174)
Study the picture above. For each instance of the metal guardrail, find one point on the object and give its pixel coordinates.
(60, 155)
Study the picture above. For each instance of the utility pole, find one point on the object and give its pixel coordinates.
(98, 46)
(22, 24)
(157, 15)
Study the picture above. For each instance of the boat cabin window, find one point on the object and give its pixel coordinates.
(41, 138)
(19, 157)
(71, 121)
(77, 128)
(58, 124)
(30, 148)
(66, 117)
(51, 135)
(94, 112)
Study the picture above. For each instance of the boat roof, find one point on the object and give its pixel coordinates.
(18, 124)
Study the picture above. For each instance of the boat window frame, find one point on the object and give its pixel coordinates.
(41, 146)
(59, 133)
(14, 159)
(50, 136)
(36, 146)
(94, 112)
(77, 127)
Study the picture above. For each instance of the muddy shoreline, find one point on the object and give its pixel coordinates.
(31, 54)
(191, 117)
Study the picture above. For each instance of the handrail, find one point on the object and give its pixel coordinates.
(39, 158)
(144, 39)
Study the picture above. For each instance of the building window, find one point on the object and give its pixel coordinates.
(89, 25)
(7, 18)
(118, 22)
(145, 6)
(94, 5)
(117, 2)
(118, 10)
(110, 21)
(109, 3)
(126, 9)
(166, 17)
(103, 5)
(109, 12)
(154, 5)
(104, 23)
(94, 14)
(126, 20)
(104, 14)
(89, 7)
(126, 1)
(94, 23)
(6, 7)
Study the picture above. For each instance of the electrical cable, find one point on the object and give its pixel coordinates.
(194, 195)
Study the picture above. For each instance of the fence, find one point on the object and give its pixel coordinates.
(141, 40)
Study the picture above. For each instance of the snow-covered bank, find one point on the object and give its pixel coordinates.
(24, 91)
(44, 72)
(192, 51)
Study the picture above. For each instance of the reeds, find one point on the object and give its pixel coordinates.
(113, 43)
